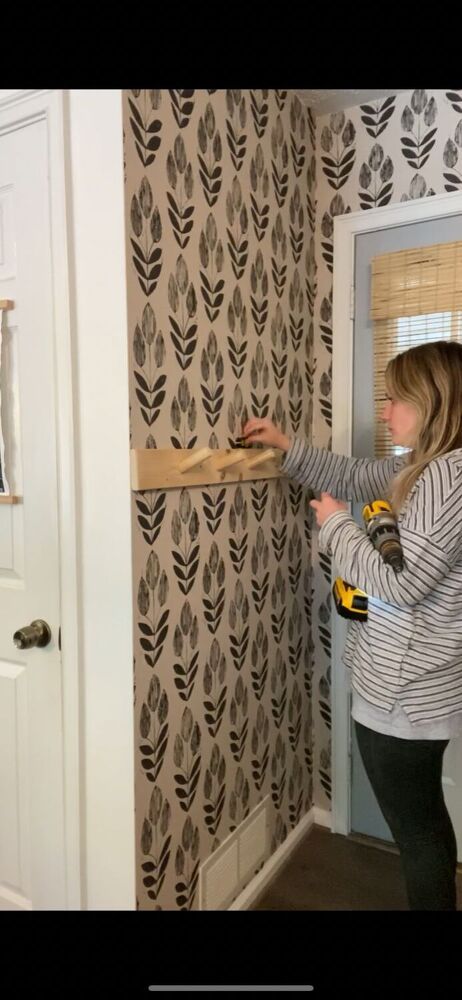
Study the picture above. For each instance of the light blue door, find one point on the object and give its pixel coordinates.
(366, 816)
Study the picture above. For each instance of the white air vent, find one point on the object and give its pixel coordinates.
(220, 877)
(223, 875)
(252, 845)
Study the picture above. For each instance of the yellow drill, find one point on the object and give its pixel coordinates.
(382, 529)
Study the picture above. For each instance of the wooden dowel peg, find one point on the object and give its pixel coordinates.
(263, 457)
(196, 458)
(6, 304)
(237, 455)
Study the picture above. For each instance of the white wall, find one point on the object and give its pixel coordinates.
(99, 321)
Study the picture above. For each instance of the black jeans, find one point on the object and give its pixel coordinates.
(406, 779)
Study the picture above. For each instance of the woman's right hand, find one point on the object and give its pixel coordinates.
(263, 431)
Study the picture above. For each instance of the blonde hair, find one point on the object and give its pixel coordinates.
(429, 377)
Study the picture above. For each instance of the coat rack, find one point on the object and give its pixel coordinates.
(7, 497)
(170, 468)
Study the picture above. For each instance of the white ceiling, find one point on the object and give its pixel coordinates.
(326, 101)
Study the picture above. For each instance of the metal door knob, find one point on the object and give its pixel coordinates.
(38, 633)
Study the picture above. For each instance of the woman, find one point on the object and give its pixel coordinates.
(406, 659)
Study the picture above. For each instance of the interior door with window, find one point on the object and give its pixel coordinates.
(366, 816)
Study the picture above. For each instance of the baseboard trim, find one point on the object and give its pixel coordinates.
(273, 867)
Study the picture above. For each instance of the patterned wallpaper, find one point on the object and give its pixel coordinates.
(230, 201)
(220, 220)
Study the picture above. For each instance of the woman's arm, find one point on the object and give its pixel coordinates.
(343, 477)
(431, 546)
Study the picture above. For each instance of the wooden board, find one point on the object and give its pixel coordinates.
(157, 468)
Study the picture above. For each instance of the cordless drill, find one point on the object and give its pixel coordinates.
(382, 529)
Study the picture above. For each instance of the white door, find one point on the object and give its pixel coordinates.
(366, 815)
(32, 835)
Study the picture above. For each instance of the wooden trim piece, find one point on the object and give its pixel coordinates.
(159, 468)
(6, 304)
(9, 498)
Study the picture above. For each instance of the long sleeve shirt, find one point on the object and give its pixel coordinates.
(406, 658)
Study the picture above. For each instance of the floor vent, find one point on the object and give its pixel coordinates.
(224, 874)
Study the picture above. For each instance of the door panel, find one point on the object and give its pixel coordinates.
(32, 842)
(366, 816)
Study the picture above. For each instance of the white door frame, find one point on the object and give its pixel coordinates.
(17, 109)
(346, 229)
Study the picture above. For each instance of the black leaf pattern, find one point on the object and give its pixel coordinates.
(375, 179)
(417, 145)
(259, 378)
(182, 106)
(279, 690)
(187, 866)
(259, 493)
(214, 790)
(185, 530)
(279, 163)
(336, 140)
(279, 247)
(296, 315)
(259, 293)
(212, 581)
(260, 748)
(238, 713)
(279, 355)
(239, 800)
(259, 182)
(151, 513)
(297, 136)
(238, 538)
(187, 760)
(236, 213)
(146, 223)
(238, 621)
(181, 292)
(235, 125)
(259, 107)
(295, 638)
(260, 574)
(237, 343)
(377, 116)
(185, 641)
(278, 770)
(211, 257)
(297, 224)
(214, 506)
(455, 99)
(155, 829)
(180, 177)
(278, 603)
(145, 131)
(153, 591)
(453, 177)
(154, 730)
(210, 155)
(212, 371)
(214, 689)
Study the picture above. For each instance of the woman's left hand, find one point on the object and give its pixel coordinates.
(326, 506)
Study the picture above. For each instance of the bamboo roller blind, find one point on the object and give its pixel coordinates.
(416, 296)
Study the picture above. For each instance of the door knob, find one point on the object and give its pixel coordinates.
(38, 633)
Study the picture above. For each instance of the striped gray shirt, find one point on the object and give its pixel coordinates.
(410, 648)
